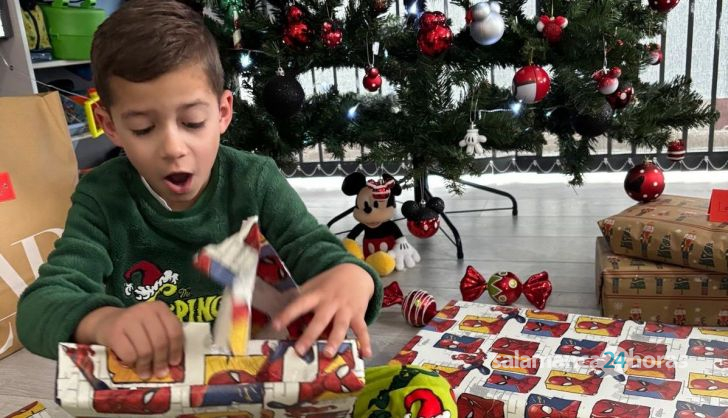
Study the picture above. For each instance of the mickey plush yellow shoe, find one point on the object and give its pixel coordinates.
(353, 248)
(382, 262)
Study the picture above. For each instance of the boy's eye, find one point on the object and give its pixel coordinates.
(195, 125)
(142, 132)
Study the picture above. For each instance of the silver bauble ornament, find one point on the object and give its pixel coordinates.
(487, 28)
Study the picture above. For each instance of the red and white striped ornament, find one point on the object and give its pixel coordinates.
(531, 84)
(676, 150)
(418, 308)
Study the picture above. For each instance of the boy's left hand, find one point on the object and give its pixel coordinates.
(340, 296)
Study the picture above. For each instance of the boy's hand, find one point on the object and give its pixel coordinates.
(339, 295)
(146, 336)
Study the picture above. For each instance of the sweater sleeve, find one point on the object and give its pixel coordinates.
(307, 247)
(70, 283)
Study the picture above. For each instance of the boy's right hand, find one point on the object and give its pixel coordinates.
(146, 336)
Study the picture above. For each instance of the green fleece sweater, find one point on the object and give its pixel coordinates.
(121, 246)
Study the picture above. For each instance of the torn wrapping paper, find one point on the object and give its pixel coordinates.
(510, 362)
(270, 381)
(224, 374)
(32, 410)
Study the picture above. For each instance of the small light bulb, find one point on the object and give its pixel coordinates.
(412, 9)
(516, 107)
(245, 60)
(351, 114)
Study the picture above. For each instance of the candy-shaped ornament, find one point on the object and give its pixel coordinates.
(505, 287)
(486, 23)
(531, 84)
(607, 80)
(418, 307)
(552, 27)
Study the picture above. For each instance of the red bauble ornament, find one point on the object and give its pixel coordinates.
(663, 6)
(418, 307)
(331, 36)
(676, 150)
(537, 289)
(621, 98)
(531, 84)
(380, 6)
(552, 27)
(429, 20)
(297, 35)
(372, 80)
(504, 288)
(607, 80)
(656, 55)
(294, 14)
(424, 228)
(434, 36)
(644, 182)
(472, 285)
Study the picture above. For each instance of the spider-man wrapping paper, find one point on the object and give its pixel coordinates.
(510, 362)
(270, 381)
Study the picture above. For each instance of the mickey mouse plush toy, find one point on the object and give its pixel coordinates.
(384, 247)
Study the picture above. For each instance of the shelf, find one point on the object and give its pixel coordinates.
(57, 63)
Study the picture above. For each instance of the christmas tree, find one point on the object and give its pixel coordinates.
(665, 250)
(706, 257)
(626, 239)
(440, 70)
(682, 284)
(638, 283)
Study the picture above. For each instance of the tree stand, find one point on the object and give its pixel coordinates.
(422, 193)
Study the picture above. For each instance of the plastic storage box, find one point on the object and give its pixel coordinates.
(71, 29)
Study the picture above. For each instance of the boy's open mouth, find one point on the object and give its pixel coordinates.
(178, 182)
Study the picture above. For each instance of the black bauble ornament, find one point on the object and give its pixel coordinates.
(283, 95)
(559, 121)
(589, 126)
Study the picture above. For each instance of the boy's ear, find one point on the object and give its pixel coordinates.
(226, 110)
(103, 116)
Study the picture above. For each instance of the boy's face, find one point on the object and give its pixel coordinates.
(170, 128)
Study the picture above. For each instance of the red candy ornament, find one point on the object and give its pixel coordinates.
(644, 182)
(418, 307)
(505, 288)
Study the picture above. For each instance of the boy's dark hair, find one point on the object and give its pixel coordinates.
(145, 39)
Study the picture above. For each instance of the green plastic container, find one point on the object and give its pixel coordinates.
(71, 29)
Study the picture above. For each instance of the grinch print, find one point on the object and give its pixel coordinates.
(686, 246)
(626, 239)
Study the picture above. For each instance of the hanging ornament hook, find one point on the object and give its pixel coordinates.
(606, 65)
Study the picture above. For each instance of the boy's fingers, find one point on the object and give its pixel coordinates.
(362, 334)
(173, 328)
(143, 347)
(124, 350)
(160, 346)
(302, 305)
(319, 322)
(338, 332)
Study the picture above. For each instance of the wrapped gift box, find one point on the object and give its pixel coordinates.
(510, 362)
(632, 288)
(672, 230)
(271, 381)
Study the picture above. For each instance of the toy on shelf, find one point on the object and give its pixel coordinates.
(89, 104)
(384, 247)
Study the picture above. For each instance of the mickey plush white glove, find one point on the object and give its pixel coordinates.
(472, 140)
(404, 254)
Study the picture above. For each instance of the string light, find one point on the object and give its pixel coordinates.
(351, 113)
(245, 60)
(516, 107)
(412, 9)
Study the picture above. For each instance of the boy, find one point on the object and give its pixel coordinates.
(136, 222)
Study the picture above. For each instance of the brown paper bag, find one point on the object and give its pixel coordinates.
(37, 176)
